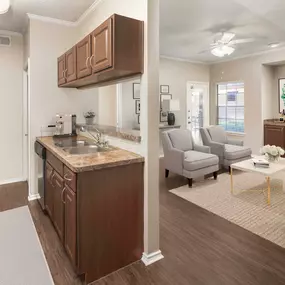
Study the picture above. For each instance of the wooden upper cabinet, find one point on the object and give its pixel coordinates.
(70, 65)
(102, 47)
(83, 50)
(61, 70)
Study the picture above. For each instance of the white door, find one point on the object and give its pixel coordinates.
(197, 113)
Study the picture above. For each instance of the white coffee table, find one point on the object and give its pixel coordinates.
(248, 166)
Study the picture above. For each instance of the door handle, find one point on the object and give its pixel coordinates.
(62, 193)
(86, 63)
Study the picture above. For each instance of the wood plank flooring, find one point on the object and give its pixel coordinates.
(199, 247)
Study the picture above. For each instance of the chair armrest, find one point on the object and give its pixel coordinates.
(173, 160)
(235, 142)
(217, 148)
(202, 148)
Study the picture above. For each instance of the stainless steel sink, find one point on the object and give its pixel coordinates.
(86, 149)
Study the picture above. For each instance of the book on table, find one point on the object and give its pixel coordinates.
(260, 162)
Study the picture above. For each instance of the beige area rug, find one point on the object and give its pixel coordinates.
(22, 261)
(247, 209)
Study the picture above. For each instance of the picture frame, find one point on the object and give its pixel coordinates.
(163, 115)
(164, 89)
(138, 107)
(281, 94)
(136, 91)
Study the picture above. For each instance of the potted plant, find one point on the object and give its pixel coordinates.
(89, 117)
(272, 152)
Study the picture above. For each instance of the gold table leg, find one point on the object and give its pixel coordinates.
(232, 181)
(268, 190)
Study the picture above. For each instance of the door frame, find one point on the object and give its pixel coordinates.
(206, 101)
(26, 121)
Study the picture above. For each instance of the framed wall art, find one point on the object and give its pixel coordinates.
(281, 95)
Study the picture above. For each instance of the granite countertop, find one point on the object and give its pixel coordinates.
(93, 161)
(275, 122)
(130, 135)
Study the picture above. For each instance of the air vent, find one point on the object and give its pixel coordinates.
(5, 41)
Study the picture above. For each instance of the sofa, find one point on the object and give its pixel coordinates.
(184, 157)
(229, 151)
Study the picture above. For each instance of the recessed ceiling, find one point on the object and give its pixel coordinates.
(68, 10)
(188, 27)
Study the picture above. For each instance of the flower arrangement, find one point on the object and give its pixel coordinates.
(272, 152)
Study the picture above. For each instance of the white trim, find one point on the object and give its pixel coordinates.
(34, 197)
(9, 33)
(236, 134)
(183, 60)
(51, 20)
(88, 12)
(14, 180)
(151, 258)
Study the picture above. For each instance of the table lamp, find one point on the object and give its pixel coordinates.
(170, 106)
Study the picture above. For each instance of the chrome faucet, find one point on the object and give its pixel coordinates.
(99, 140)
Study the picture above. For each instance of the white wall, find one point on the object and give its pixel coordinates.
(107, 106)
(267, 92)
(11, 110)
(176, 74)
(47, 42)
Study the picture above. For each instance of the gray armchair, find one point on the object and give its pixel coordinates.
(182, 156)
(228, 151)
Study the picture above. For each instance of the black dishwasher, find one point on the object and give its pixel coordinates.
(40, 172)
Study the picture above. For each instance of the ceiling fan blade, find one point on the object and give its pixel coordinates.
(227, 37)
(204, 51)
(242, 41)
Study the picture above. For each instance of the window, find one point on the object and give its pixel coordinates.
(231, 106)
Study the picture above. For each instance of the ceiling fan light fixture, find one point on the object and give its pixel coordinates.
(4, 6)
(221, 51)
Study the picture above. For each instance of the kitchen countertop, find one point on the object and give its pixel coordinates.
(275, 122)
(90, 162)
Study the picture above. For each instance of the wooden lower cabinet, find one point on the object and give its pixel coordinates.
(98, 215)
(70, 224)
(58, 205)
(49, 190)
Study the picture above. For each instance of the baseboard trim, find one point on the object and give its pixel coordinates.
(14, 180)
(33, 197)
(151, 258)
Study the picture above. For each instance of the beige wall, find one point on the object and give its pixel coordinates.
(47, 42)
(176, 74)
(11, 111)
(250, 70)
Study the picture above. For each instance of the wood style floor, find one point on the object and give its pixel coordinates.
(199, 247)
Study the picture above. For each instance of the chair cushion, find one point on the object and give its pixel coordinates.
(195, 160)
(181, 139)
(217, 134)
(233, 152)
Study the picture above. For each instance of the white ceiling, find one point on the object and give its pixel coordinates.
(188, 27)
(68, 10)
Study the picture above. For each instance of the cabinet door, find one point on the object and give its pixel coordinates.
(58, 202)
(61, 70)
(102, 47)
(49, 190)
(274, 135)
(70, 61)
(83, 50)
(70, 224)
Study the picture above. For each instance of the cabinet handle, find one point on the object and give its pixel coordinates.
(65, 72)
(87, 59)
(62, 193)
(66, 178)
(91, 61)
(51, 179)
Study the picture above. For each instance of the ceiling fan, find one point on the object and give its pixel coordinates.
(224, 46)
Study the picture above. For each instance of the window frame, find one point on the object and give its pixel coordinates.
(217, 106)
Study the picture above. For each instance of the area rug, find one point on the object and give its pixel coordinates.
(248, 209)
(22, 261)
